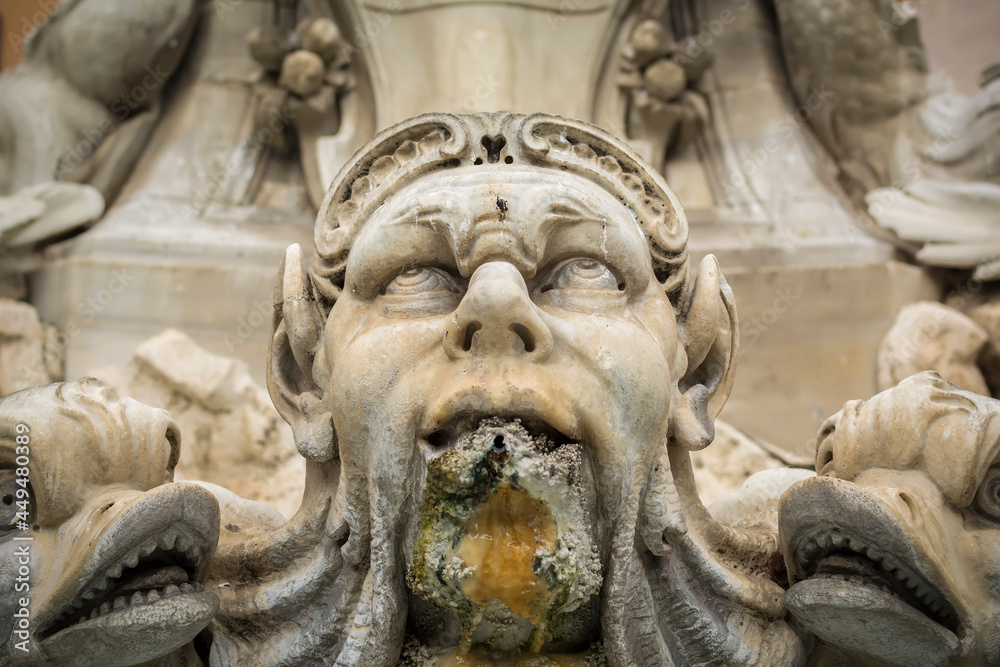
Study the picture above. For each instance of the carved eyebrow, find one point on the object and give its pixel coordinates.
(565, 211)
(424, 215)
(455, 219)
(570, 207)
(571, 211)
(433, 217)
(951, 400)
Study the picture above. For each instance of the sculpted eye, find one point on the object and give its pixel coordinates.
(581, 273)
(421, 280)
(987, 500)
(420, 291)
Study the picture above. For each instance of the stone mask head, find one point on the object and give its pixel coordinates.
(473, 272)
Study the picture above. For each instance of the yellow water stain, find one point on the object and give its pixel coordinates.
(503, 536)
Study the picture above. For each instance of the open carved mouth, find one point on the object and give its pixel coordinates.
(134, 594)
(158, 569)
(506, 544)
(835, 555)
(543, 434)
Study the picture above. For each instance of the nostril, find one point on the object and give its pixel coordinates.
(905, 505)
(470, 331)
(907, 500)
(525, 335)
(438, 440)
(825, 457)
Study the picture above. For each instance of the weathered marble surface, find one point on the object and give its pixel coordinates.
(959, 340)
(477, 344)
(733, 459)
(913, 154)
(233, 436)
(28, 355)
(496, 368)
(223, 186)
(930, 336)
(88, 92)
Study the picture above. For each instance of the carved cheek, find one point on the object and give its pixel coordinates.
(62, 471)
(630, 377)
(383, 371)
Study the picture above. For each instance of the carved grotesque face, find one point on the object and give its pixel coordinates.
(497, 346)
(102, 555)
(897, 543)
(510, 293)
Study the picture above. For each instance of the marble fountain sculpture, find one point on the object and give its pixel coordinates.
(496, 366)
(223, 160)
(505, 353)
(500, 337)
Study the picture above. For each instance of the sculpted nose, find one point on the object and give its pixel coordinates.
(496, 317)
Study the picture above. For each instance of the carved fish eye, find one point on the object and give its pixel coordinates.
(987, 500)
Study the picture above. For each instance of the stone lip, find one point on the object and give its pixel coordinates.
(449, 435)
(858, 617)
(138, 631)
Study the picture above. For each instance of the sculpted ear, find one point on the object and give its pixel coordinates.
(710, 335)
(296, 337)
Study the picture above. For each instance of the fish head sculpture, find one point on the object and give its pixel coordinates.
(893, 551)
(103, 555)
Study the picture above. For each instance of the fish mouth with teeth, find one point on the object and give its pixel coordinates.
(141, 581)
(860, 582)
